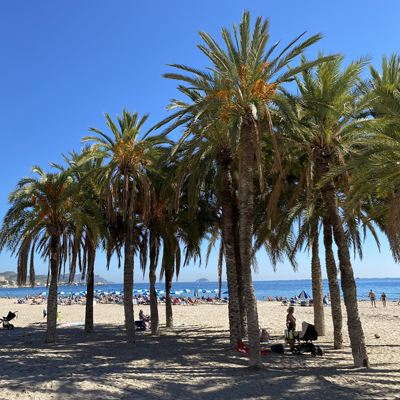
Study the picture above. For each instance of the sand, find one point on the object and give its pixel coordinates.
(190, 361)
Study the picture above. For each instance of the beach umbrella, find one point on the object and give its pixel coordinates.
(175, 292)
(215, 291)
(185, 290)
(304, 295)
(225, 292)
(161, 292)
(203, 291)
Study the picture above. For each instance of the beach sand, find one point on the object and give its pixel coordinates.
(190, 361)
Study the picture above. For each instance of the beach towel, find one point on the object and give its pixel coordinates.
(245, 350)
(72, 324)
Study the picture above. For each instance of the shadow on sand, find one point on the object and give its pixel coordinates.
(184, 362)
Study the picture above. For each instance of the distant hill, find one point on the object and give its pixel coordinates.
(202, 280)
(9, 275)
(42, 279)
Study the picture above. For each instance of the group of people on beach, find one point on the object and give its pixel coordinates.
(372, 297)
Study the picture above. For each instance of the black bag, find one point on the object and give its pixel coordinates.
(277, 348)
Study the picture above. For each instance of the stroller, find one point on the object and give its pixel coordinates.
(6, 320)
(304, 341)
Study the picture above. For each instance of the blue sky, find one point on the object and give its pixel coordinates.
(64, 63)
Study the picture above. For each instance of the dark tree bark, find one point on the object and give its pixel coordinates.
(128, 283)
(224, 159)
(334, 290)
(317, 289)
(51, 334)
(168, 301)
(356, 333)
(90, 289)
(246, 236)
(155, 329)
(239, 271)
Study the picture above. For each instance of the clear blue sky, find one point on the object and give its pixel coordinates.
(64, 63)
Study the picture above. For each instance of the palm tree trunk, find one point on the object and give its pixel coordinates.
(90, 289)
(246, 236)
(317, 289)
(239, 270)
(155, 329)
(51, 334)
(224, 159)
(349, 289)
(128, 283)
(331, 270)
(168, 301)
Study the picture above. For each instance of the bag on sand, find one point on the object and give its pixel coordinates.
(277, 348)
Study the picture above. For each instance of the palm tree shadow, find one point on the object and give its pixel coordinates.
(183, 362)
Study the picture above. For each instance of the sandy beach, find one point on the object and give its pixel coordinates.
(189, 361)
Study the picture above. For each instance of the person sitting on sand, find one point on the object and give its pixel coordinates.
(383, 299)
(372, 297)
(143, 317)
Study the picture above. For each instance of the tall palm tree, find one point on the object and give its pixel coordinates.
(330, 134)
(377, 176)
(249, 77)
(42, 218)
(123, 181)
(86, 198)
(208, 153)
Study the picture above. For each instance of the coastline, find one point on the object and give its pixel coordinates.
(189, 359)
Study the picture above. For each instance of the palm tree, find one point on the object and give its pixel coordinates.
(42, 218)
(377, 176)
(86, 199)
(330, 133)
(241, 89)
(208, 153)
(123, 181)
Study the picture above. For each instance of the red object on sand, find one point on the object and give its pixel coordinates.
(243, 349)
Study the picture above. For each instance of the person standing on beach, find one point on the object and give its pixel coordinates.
(372, 297)
(383, 299)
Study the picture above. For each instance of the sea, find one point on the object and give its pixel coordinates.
(262, 289)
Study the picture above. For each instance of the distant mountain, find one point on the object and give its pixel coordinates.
(202, 280)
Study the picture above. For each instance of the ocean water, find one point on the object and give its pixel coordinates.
(263, 289)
